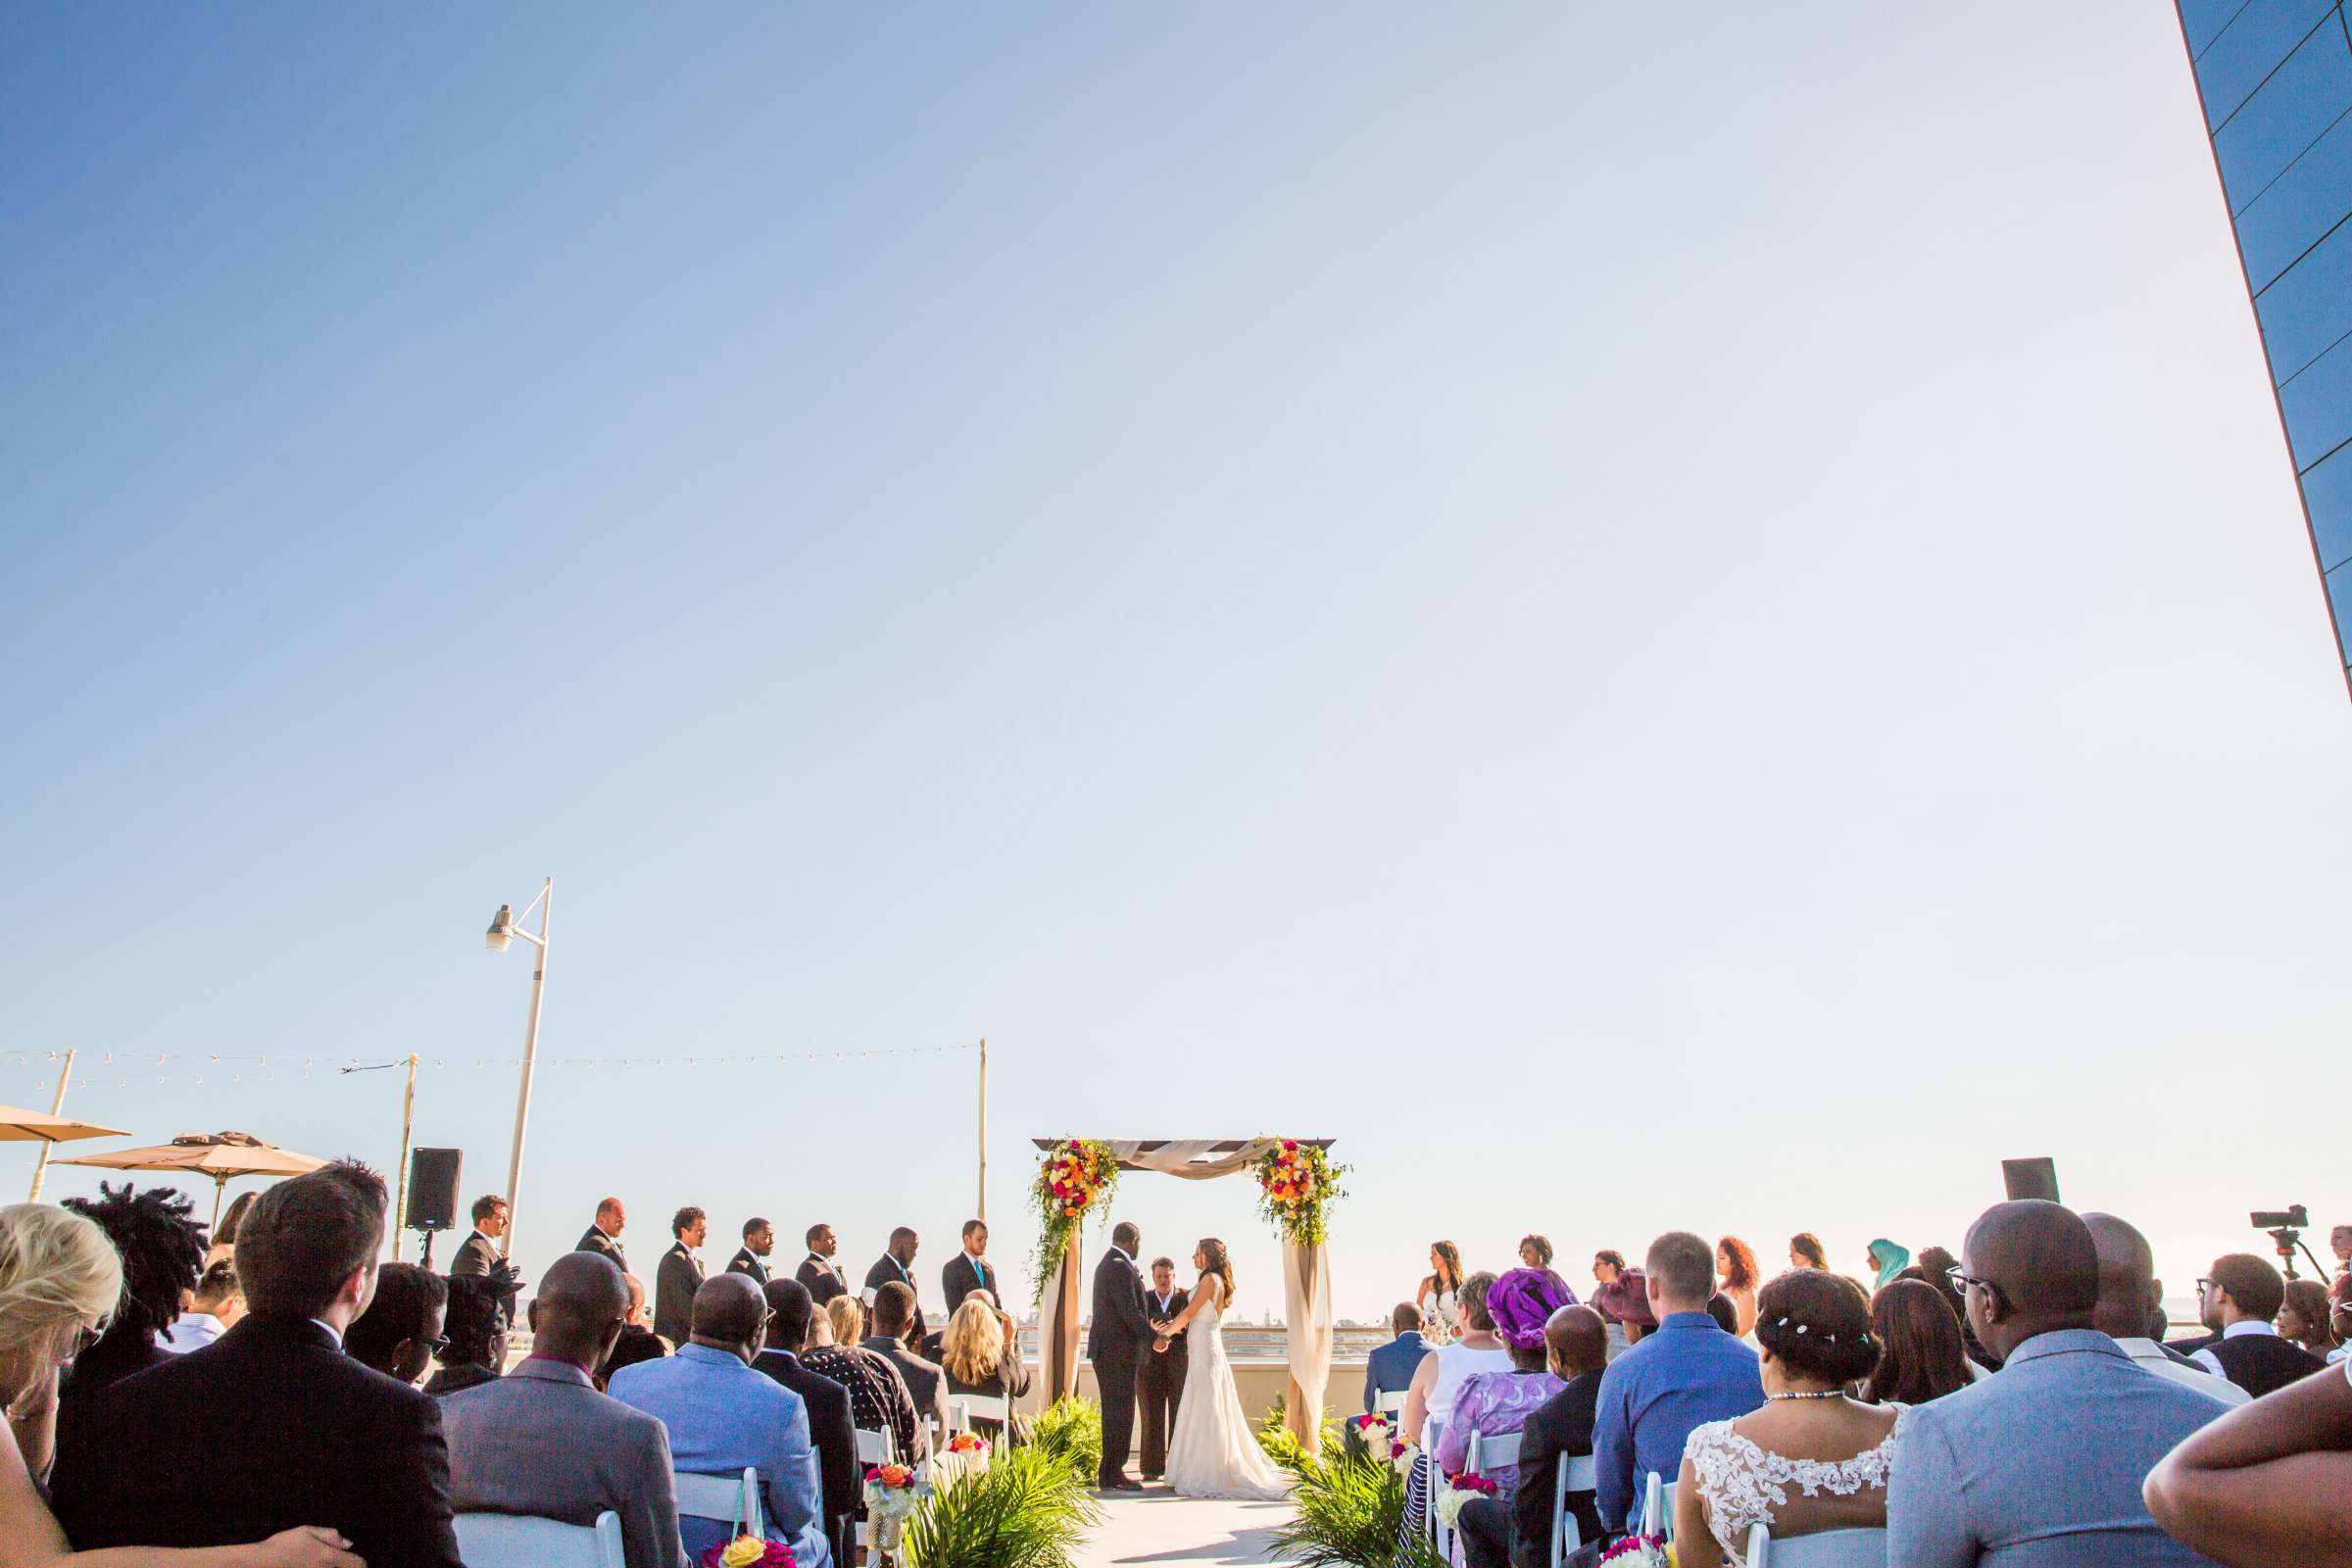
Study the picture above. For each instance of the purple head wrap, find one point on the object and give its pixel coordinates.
(1521, 1302)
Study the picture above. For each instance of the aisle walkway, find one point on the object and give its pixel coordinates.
(1159, 1527)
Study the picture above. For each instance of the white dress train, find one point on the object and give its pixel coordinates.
(1213, 1452)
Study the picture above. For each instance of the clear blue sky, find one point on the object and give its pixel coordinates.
(1651, 617)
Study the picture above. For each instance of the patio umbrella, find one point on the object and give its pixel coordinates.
(21, 1126)
(220, 1155)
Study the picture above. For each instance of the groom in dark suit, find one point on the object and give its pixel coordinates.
(1119, 1338)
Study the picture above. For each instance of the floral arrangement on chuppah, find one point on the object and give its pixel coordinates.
(1295, 1184)
(1076, 1176)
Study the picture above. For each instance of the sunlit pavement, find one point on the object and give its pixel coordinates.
(1158, 1526)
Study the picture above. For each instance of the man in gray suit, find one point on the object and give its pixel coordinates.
(2039, 1467)
(542, 1441)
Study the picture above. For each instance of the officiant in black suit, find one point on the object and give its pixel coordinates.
(1160, 1380)
(1117, 1342)
(968, 1271)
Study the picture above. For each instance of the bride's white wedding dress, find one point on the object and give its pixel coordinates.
(1214, 1453)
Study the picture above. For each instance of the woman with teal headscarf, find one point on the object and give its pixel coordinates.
(1888, 1259)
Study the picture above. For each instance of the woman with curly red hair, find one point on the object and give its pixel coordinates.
(1736, 1268)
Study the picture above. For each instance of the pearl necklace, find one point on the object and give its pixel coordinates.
(1819, 1394)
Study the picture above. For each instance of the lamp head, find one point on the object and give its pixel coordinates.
(501, 929)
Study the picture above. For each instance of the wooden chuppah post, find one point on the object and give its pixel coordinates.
(1059, 1322)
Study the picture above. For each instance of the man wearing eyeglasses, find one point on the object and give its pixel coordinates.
(2040, 1466)
(2237, 1301)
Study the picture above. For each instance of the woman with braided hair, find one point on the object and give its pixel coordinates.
(162, 1246)
(61, 1281)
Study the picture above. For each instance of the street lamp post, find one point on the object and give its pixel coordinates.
(503, 927)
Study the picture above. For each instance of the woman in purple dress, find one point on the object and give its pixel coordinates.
(1497, 1403)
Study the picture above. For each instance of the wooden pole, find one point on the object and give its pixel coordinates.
(980, 1210)
(408, 1127)
(57, 1107)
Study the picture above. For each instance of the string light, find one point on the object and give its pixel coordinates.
(29, 1058)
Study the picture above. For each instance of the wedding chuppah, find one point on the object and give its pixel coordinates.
(1297, 1182)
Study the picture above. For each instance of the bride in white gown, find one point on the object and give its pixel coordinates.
(1212, 1453)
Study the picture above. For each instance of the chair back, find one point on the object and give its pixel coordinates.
(1828, 1549)
(1580, 1474)
(1391, 1406)
(526, 1540)
(731, 1499)
(1657, 1507)
(964, 1408)
(1492, 1450)
(873, 1447)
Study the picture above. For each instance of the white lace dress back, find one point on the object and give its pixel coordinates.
(1213, 1452)
(1744, 1483)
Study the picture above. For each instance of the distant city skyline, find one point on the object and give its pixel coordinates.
(1651, 623)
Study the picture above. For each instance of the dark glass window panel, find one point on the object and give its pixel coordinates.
(2327, 493)
(2317, 406)
(2286, 116)
(2249, 48)
(2202, 22)
(2308, 306)
(2339, 600)
(2304, 202)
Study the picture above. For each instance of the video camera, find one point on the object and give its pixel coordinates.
(2286, 1226)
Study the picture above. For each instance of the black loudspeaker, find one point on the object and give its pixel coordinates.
(2031, 1178)
(433, 1189)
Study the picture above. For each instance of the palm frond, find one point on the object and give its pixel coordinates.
(1351, 1512)
(1071, 1430)
(1028, 1510)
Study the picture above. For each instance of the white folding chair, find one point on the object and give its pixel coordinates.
(1579, 1474)
(968, 1407)
(725, 1498)
(1390, 1404)
(1439, 1538)
(1657, 1507)
(1830, 1549)
(526, 1540)
(873, 1447)
(1492, 1453)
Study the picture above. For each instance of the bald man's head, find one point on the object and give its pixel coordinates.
(2040, 1270)
(729, 1310)
(2127, 1288)
(1577, 1339)
(582, 1302)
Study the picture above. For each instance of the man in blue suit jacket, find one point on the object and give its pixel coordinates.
(722, 1415)
(1390, 1368)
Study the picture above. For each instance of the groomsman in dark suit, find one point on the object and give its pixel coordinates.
(680, 1277)
(758, 1240)
(1117, 1340)
(477, 1254)
(603, 1237)
(968, 1271)
(817, 1270)
(1159, 1377)
(897, 1266)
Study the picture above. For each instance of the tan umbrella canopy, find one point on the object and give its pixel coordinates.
(21, 1126)
(219, 1155)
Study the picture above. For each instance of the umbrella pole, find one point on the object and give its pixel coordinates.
(219, 1186)
(40, 1167)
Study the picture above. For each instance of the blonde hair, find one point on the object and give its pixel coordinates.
(973, 1346)
(55, 1268)
(847, 1318)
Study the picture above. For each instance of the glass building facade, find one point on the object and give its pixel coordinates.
(2275, 78)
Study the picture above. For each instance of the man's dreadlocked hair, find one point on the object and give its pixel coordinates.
(162, 1252)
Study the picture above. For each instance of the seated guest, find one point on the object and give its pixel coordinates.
(982, 1354)
(1497, 1405)
(1475, 1347)
(399, 1333)
(211, 1310)
(637, 1342)
(2303, 1317)
(2339, 1317)
(1815, 1330)
(1735, 1267)
(2267, 1484)
(1936, 1265)
(542, 1441)
(1654, 1396)
(1577, 1343)
(1919, 1352)
(878, 1397)
(896, 1317)
(223, 1247)
(2130, 1295)
(473, 1335)
(1887, 1259)
(60, 1278)
(271, 1425)
(722, 1416)
(1389, 1368)
(1806, 1252)
(2042, 1463)
(2237, 1302)
(637, 1317)
(163, 1257)
(1725, 1313)
(791, 1311)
